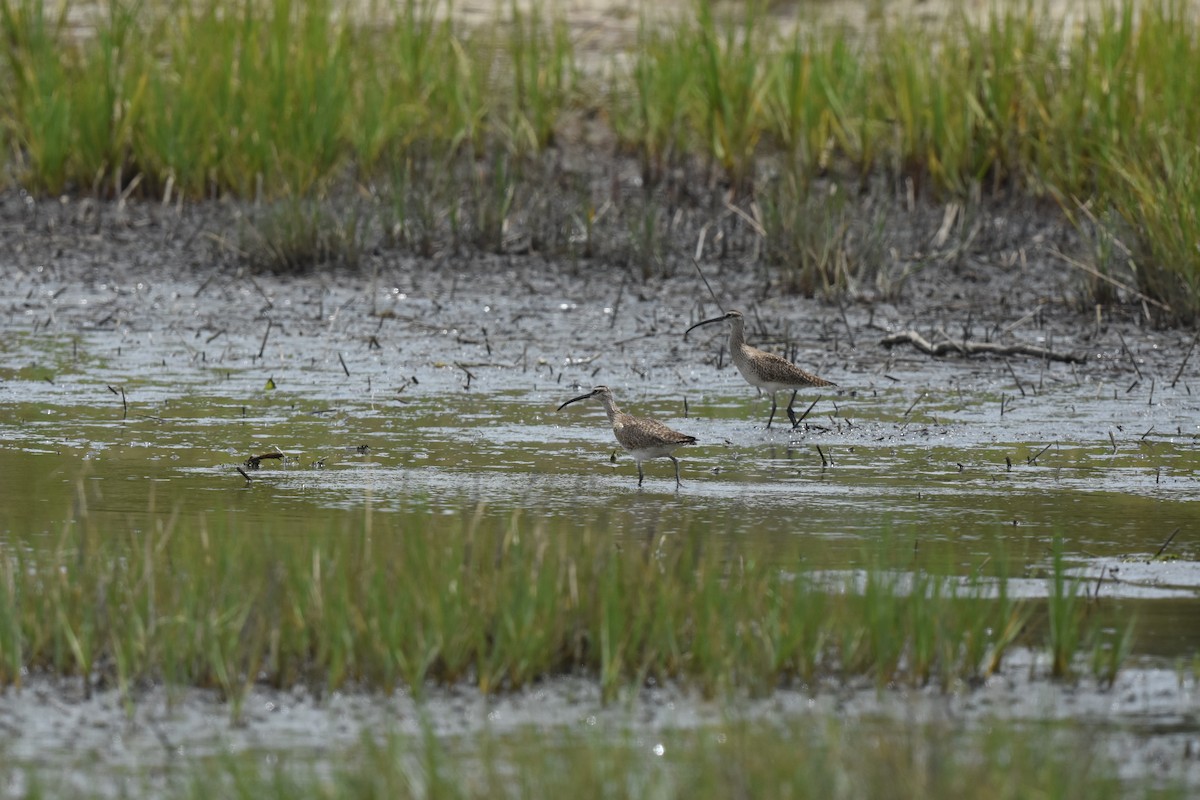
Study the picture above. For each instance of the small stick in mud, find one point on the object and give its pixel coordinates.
(1170, 539)
(1129, 353)
(1113, 441)
(342, 361)
(846, 322)
(124, 405)
(1099, 580)
(467, 385)
(1013, 372)
(262, 347)
(914, 404)
(266, 297)
(244, 474)
(617, 303)
(796, 422)
(1033, 459)
(821, 453)
(1186, 356)
(711, 293)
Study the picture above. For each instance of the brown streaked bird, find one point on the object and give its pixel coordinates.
(766, 371)
(644, 438)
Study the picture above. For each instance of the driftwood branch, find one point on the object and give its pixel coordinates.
(967, 348)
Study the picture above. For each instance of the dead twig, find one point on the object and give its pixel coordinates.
(262, 347)
(1129, 353)
(1099, 580)
(796, 422)
(1186, 356)
(124, 405)
(1033, 459)
(1095, 273)
(1170, 539)
(467, 372)
(975, 348)
(1013, 372)
(908, 411)
(253, 462)
(711, 293)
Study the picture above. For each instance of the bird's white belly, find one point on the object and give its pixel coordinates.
(754, 379)
(646, 453)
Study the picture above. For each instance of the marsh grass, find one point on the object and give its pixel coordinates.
(71, 132)
(1064, 610)
(1159, 206)
(818, 243)
(298, 237)
(734, 81)
(541, 77)
(650, 114)
(496, 603)
(1075, 625)
(808, 120)
(275, 99)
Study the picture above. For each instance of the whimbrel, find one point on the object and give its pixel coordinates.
(643, 438)
(767, 371)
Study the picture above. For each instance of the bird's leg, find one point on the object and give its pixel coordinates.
(791, 413)
(770, 418)
(678, 483)
(641, 475)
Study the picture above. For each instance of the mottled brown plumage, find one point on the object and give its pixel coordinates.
(767, 371)
(644, 438)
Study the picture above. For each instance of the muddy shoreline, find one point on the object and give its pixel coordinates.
(997, 273)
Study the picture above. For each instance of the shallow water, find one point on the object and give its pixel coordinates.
(433, 397)
(391, 400)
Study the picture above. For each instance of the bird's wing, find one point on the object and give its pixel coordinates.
(638, 432)
(778, 368)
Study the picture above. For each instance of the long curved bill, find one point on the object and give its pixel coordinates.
(705, 322)
(576, 400)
